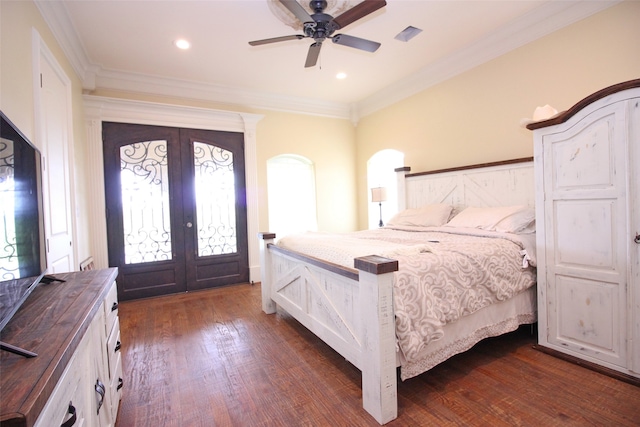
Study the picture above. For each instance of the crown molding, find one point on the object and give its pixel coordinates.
(56, 16)
(143, 83)
(536, 24)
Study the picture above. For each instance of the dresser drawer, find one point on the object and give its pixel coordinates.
(68, 391)
(111, 309)
(113, 348)
(116, 386)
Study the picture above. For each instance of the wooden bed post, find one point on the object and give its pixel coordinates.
(401, 175)
(379, 381)
(266, 238)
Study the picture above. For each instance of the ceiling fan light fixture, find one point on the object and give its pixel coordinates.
(341, 76)
(408, 33)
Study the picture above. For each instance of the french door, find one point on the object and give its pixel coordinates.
(176, 208)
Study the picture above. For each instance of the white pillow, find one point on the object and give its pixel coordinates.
(426, 216)
(523, 221)
(505, 219)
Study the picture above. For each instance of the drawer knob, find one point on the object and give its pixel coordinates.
(117, 348)
(114, 307)
(120, 384)
(72, 420)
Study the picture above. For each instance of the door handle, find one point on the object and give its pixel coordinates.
(189, 225)
(99, 387)
(73, 418)
(637, 239)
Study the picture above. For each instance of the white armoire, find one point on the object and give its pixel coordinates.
(587, 173)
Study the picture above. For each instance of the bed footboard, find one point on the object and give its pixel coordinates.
(349, 309)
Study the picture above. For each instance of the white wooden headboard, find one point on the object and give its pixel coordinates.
(491, 184)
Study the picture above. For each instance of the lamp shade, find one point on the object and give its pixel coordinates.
(378, 194)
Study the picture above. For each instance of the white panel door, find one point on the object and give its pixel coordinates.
(55, 145)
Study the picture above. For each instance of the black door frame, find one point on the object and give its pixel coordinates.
(184, 271)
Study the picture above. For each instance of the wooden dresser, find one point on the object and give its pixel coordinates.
(587, 168)
(76, 379)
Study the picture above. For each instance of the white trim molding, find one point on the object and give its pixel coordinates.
(99, 109)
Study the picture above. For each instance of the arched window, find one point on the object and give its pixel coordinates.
(291, 189)
(381, 174)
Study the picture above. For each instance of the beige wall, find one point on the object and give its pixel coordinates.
(330, 144)
(474, 117)
(16, 85)
(17, 20)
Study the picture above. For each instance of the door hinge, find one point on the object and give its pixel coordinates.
(40, 80)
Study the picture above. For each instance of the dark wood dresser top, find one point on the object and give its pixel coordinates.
(51, 323)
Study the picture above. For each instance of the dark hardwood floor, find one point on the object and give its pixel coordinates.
(213, 358)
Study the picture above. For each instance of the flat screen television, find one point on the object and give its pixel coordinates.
(22, 240)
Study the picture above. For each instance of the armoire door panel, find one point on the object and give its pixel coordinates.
(585, 229)
(588, 317)
(584, 159)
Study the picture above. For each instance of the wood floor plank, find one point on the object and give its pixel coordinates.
(213, 358)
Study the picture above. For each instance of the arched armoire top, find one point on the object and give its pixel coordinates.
(566, 115)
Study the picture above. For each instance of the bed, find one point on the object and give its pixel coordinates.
(454, 266)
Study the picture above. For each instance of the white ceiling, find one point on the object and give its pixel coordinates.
(128, 45)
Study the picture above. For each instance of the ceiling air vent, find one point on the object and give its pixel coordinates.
(408, 33)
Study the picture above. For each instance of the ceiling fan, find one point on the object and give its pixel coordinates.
(321, 26)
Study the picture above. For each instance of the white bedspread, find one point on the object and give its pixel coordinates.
(444, 273)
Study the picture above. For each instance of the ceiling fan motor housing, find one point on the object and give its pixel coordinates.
(321, 28)
(318, 5)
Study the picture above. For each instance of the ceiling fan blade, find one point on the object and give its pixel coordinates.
(277, 39)
(298, 11)
(312, 55)
(357, 42)
(358, 11)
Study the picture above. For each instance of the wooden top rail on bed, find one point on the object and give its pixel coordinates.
(463, 168)
(371, 264)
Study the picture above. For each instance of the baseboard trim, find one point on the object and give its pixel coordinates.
(589, 365)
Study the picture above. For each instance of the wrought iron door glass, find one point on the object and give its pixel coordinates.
(215, 200)
(145, 202)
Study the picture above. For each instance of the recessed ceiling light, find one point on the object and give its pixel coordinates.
(341, 76)
(182, 44)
